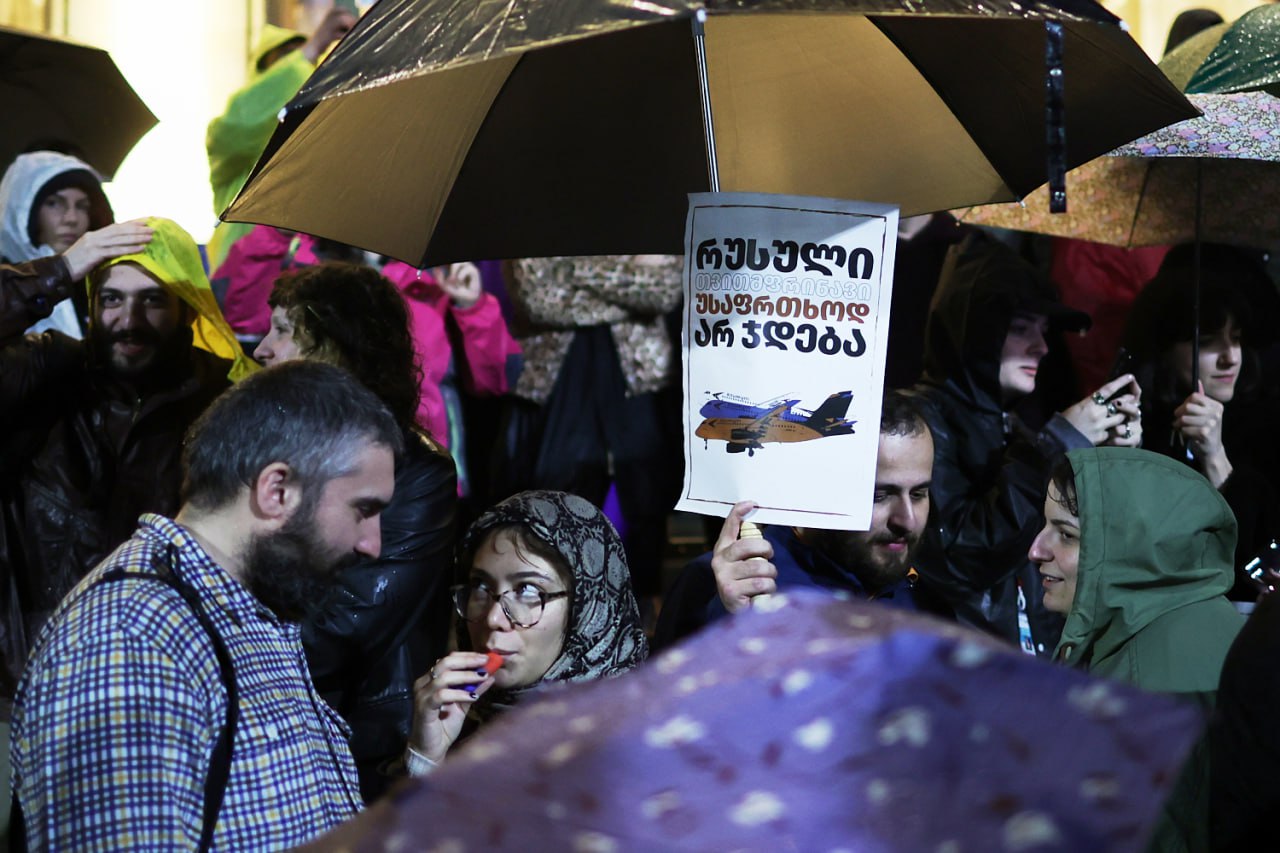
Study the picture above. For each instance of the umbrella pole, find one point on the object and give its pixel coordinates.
(1055, 118)
(704, 94)
(1195, 299)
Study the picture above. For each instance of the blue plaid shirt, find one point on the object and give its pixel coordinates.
(120, 705)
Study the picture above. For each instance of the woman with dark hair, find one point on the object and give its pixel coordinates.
(457, 326)
(390, 616)
(547, 593)
(348, 315)
(1206, 425)
(1135, 552)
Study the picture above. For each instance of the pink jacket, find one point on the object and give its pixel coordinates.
(257, 259)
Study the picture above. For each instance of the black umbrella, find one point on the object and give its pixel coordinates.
(443, 130)
(69, 97)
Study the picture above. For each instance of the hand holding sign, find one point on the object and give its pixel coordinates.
(741, 566)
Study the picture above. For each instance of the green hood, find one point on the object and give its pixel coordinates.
(1155, 538)
(271, 38)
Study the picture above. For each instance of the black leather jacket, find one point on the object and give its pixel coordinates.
(990, 471)
(989, 479)
(389, 619)
(81, 455)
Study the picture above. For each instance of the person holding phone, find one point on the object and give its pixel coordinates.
(993, 323)
(1213, 418)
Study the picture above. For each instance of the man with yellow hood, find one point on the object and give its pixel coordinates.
(91, 431)
(281, 62)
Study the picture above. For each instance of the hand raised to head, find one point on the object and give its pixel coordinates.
(121, 238)
(337, 22)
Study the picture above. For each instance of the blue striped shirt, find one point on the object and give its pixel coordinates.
(122, 700)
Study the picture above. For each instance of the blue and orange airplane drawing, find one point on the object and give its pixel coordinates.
(748, 426)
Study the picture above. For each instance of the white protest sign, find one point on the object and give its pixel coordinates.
(786, 319)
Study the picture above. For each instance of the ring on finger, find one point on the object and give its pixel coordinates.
(1128, 433)
(1099, 399)
(1111, 408)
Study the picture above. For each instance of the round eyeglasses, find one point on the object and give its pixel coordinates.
(523, 606)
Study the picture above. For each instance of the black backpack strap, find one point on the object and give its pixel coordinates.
(215, 783)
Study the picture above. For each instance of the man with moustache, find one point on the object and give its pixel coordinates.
(123, 732)
(91, 431)
(874, 564)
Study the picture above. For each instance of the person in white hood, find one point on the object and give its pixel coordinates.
(49, 200)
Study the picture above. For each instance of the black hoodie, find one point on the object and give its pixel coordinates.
(990, 471)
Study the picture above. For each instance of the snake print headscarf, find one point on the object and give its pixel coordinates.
(604, 635)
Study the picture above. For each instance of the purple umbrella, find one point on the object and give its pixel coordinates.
(811, 724)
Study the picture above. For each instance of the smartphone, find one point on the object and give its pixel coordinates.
(1256, 568)
(1123, 364)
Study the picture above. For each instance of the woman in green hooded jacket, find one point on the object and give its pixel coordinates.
(1137, 552)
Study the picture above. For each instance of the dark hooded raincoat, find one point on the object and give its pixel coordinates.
(989, 469)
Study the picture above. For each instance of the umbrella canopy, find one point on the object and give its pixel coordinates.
(1237, 57)
(813, 724)
(1181, 63)
(441, 131)
(68, 96)
(1144, 193)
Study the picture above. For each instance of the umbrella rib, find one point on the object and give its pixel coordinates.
(934, 85)
(1137, 207)
(484, 122)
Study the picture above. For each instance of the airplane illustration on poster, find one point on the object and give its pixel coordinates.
(746, 427)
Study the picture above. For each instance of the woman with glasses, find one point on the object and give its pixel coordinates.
(548, 591)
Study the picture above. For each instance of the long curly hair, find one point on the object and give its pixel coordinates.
(352, 316)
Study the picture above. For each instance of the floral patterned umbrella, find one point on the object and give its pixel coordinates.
(812, 724)
(1144, 193)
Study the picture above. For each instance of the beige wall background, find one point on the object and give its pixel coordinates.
(186, 57)
(183, 59)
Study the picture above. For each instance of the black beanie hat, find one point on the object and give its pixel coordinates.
(100, 212)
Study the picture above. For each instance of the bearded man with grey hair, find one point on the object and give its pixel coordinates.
(167, 704)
